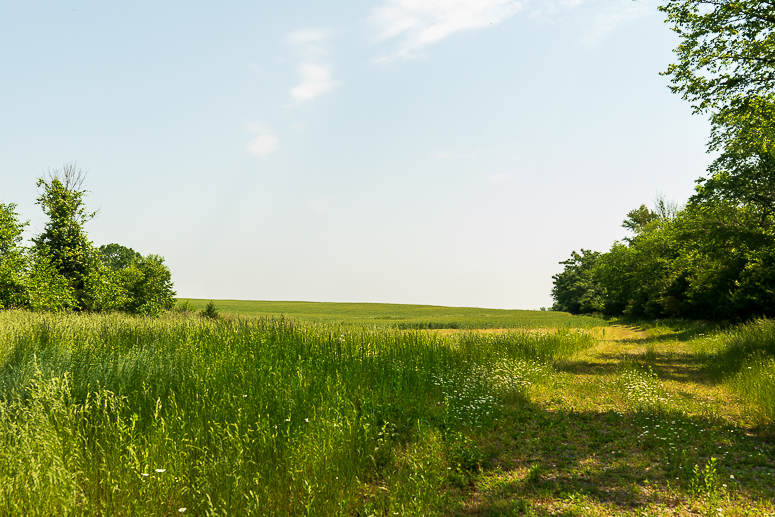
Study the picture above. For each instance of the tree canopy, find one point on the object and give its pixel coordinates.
(62, 270)
(726, 54)
(715, 257)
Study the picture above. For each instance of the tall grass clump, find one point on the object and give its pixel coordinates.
(745, 358)
(755, 383)
(121, 415)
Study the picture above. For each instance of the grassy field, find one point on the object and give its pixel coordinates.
(184, 415)
(399, 316)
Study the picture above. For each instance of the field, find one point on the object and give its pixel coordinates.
(398, 316)
(185, 415)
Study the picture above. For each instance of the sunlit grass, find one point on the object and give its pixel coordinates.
(744, 357)
(117, 415)
(136, 416)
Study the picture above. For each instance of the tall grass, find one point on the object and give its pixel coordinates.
(744, 357)
(117, 415)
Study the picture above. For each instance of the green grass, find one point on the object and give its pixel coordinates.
(186, 415)
(397, 315)
(744, 357)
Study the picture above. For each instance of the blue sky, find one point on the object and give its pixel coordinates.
(446, 152)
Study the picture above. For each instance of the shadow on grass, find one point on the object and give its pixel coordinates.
(672, 366)
(558, 462)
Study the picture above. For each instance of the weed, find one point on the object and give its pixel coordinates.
(705, 481)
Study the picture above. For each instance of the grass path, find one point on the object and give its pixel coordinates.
(632, 426)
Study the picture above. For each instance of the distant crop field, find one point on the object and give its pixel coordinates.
(399, 315)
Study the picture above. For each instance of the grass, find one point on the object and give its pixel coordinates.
(117, 415)
(397, 315)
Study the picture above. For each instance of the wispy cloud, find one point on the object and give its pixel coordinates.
(615, 15)
(419, 23)
(315, 77)
(265, 141)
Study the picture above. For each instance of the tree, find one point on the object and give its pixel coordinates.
(46, 288)
(145, 281)
(63, 270)
(726, 67)
(639, 219)
(149, 284)
(575, 289)
(726, 54)
(118, 257)
(642, 278)
(744, 172)
(63, 238)
(13, 262)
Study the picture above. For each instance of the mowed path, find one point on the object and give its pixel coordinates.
(576, 446)
(688, 385)
(672, 359)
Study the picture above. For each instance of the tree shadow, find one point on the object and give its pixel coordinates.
(684, 368)
(552, 460)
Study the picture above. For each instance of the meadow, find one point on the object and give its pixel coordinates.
(185, 415)
(398, 315)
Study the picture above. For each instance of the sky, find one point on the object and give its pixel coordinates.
(444, 152)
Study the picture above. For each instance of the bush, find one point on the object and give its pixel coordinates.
(210, 311)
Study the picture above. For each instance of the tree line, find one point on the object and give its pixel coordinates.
(62, 270)
(714, 257)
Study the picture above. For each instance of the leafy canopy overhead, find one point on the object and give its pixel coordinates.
(727, 53)
(726, 67)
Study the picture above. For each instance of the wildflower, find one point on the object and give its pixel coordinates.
(161, 470)
(181, 510)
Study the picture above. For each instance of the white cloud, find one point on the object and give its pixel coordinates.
(315, 80)
(314, 71)
(265, 142)
(419, 23)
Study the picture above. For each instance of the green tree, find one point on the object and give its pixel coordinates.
(149, 284)
(726, 67)
(726, 54)
(744, 172)
(145, 282)
(575, 288)
(640, 219)
(63, 238)
(13, 261)
(118, 257)
(46, 288)
(725, 256)
(641, 279)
